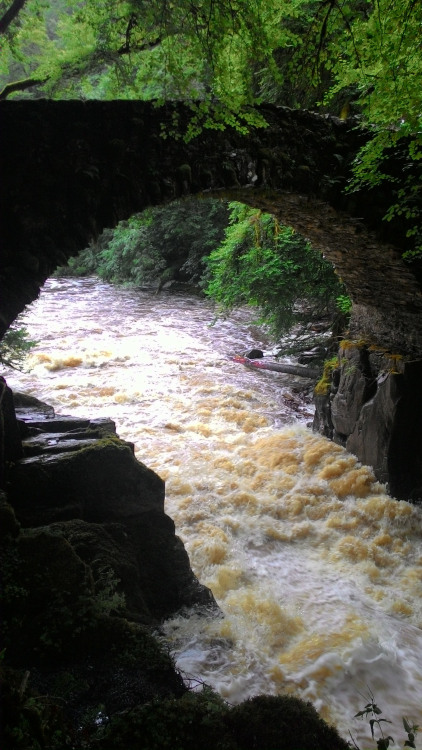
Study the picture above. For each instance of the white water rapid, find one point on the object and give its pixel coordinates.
(317, 571)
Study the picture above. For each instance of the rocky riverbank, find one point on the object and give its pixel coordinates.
(369, 401)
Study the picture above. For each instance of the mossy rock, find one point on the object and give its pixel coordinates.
(204, 720)
(193, 722)
(48, 596)
(281, 723)
(323, 386)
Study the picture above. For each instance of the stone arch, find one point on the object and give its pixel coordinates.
(69, 169)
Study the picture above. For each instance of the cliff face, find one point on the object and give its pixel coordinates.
(371, 403)
(90, 566)
(77, 482)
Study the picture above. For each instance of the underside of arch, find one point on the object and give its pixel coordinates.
(69, 169)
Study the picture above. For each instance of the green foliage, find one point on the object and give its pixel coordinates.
(157, 245)
(344, 304)
(14, 348)
(263, 264)
(222, 57)
(375, 722)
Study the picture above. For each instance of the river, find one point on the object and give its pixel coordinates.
(317, 571)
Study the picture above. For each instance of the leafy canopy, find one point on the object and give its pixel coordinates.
(362, 57)
(235, 52)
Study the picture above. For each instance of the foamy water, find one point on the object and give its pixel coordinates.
(317, 571)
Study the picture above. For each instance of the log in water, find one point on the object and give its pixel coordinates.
(318, 571)
(286, 368)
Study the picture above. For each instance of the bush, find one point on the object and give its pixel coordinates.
(14, 347)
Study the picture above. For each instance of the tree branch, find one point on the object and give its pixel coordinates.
(11, 14)
(126, 49)
(27, 83)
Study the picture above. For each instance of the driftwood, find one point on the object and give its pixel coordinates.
(259, 364)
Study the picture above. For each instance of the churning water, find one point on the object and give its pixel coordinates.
(317, 571)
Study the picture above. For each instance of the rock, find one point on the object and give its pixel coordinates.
(145, 558)
(101, 482)
(322, 421)
(254, 354)
(55, 443)
(90, 565)
(355, 387)
(48, 593)
(10, 441)
(374, 409)
(387, 432)
(316, 354)
(203, 720)
(8, 523)
(86, 486)
(32, 406)
(281, 723)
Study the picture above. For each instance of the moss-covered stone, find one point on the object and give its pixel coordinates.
(203, 720)
(281, 723)
(323, 386)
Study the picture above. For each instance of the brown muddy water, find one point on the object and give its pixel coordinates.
(317, 570)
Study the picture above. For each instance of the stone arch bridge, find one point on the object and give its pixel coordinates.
(69, 169)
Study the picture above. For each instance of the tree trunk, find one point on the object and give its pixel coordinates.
(303, 372)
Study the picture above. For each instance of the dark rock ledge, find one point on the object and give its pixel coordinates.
(91, 565)
(371, 403)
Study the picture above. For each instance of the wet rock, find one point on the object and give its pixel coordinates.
(87, 486)
(254, 354)
(145, 559)
(55, 443)
(387, 431)
(316, 354)
(10, 441)
(33, 407)
(91, 564)
(97, 483)
(374, 409)
(355, 387)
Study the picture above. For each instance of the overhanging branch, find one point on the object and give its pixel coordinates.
(26, 83)
(11, 14)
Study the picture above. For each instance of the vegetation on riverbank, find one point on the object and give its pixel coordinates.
(235, 254)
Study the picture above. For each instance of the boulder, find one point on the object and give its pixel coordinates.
(86, 487)
(99, 482)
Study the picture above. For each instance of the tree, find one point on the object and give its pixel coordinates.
(160, 244)
(269, 266)
(223, 57)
